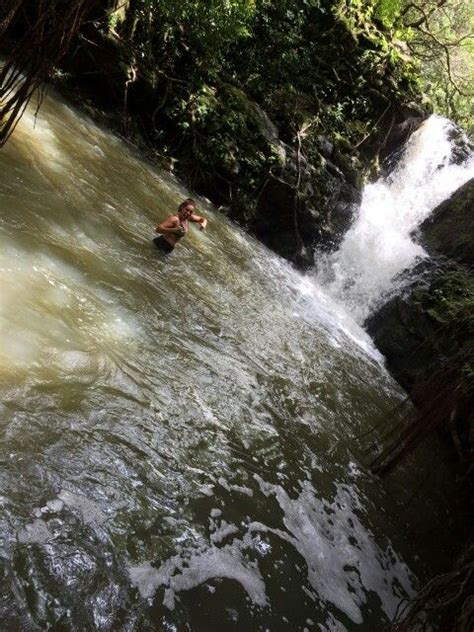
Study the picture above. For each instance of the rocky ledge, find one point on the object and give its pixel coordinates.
(427, 332)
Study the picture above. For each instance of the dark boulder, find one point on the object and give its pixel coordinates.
(310, 205)
(392, 131)
(449, 230)
(276, 222)
(404, 332)
(429, 327)
(462, 146)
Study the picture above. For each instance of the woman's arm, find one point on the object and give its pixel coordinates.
(199, 220)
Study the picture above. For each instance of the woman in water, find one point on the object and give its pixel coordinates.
(176, 226)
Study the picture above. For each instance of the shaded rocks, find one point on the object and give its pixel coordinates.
(449, 230)
(391, 132)
(309, 205)
(325, 147)
(398, 329)
(430, 326)
(269, 131)
(462, 146)
(406, 333)
(276, 222)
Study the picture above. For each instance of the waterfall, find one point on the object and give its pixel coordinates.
(380, 243)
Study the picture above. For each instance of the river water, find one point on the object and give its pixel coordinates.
(179, 435)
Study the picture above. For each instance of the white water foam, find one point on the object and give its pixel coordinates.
(379, 245)
(344, 562)
(179, 574)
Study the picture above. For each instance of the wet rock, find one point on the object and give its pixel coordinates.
(147, 579)
(325, 147)
(392, 131)
(406, 333)
(462, 146)
(449, 230)
(396, 330)
(268, 129)
(276, 222)
(310, 206)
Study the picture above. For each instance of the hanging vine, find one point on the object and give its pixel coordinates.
(47, 30)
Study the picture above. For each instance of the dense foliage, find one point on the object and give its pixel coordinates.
(197, 76)
(37, 35)
(198, 81)
(185, 72)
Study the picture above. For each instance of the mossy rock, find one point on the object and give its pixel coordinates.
(449, 230)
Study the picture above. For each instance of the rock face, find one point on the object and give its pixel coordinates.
(394, 129)
(431, 325)
(309, 205)
(462, 145)
(450, 229)
(406, 333)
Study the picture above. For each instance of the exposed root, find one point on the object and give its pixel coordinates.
(447, 600)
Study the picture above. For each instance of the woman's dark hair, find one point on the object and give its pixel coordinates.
(187, 202)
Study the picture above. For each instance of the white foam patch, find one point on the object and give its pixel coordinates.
(55, 506)
(320, 307)
(148, 579)
(118, 328)
(240, 489)
(36, 532)
(343, 560)
(96, 151)
(224, 531)
(179, 574)
(89, 510)
(75, 362)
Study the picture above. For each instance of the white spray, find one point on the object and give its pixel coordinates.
(379, 245)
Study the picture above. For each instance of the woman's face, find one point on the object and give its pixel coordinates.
(186, 212)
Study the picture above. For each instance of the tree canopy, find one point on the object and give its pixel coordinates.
(439, 36)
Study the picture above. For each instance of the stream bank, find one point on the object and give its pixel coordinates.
(427, 335)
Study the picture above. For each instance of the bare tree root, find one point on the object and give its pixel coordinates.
(447, 599)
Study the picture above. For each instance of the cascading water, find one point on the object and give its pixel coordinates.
(379, 245)
(177, 437)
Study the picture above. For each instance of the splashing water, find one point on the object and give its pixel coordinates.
(379, 245)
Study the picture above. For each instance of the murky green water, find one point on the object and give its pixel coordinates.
(177, 435)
